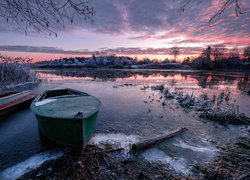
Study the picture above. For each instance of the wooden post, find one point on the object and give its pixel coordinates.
(151, 142)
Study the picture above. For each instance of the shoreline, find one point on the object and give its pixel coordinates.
(179, 68)
(223, 166)
(142, 70)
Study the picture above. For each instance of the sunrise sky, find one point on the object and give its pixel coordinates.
(137, 28)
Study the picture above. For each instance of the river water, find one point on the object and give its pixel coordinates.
(131, 111)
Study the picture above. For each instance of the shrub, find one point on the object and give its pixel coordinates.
(14, 70)
(201, 63)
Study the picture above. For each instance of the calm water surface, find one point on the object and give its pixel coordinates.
(131, 112)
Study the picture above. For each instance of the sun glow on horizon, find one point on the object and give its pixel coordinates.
(37, 57)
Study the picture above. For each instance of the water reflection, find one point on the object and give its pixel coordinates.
(202, 79)
(244, 84)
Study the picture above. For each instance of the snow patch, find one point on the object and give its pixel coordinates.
(116, 140)
(28, 165)
(207, 149)
(177, 164)
(46, 101)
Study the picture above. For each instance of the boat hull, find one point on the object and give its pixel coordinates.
(69, 132)
(15, 102)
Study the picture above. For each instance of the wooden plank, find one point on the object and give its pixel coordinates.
(154, 141)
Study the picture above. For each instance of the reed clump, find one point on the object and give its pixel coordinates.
(15, 71)
(219, 108)
(226, 117)
(158, 87)
(232, 162)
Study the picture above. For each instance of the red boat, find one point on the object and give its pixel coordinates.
(11, 101)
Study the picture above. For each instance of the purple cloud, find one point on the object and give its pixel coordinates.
(163, 20)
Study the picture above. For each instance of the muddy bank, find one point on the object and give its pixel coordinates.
(233, 162)
(115, 165)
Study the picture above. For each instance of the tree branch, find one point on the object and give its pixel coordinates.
(42, 14)
(228, 3)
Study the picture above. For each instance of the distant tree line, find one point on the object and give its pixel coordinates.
(218, 56)
(213, 57)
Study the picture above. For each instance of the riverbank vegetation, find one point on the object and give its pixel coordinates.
(220, 108)
(15, 71)
(232, 162)
(101, 166)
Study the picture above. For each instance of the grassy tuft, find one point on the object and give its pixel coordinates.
(216, 108)
(226, 117)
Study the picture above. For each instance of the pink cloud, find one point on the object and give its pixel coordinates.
(143, 37)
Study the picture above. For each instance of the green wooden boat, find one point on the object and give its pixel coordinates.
(66, 116)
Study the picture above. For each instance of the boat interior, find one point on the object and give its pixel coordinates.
(58, 93)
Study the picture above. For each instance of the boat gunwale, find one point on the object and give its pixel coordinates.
(15, 94)
(62, 96)
(18, 101)
(98, 106)
(41, 94)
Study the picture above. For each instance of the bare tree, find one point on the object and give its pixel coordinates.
(175, 51)
(247, 52)
(207, 53)
(42, 14)
(218, 51)
(227, 3)
(234, 53)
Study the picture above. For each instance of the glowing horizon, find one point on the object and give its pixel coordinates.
(36, 57)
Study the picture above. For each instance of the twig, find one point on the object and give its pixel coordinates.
(103, 152)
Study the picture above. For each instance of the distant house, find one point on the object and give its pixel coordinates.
(91, 62)
(122, 61)
(75, 61)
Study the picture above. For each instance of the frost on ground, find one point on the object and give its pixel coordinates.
(179, 165)
(104, 166)
(230, 163)
(30, 164)
(199, 149)
(115, 140)
(233, 162)
(98, 161)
